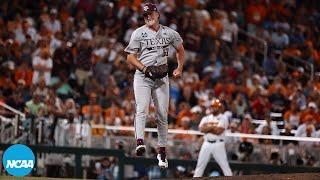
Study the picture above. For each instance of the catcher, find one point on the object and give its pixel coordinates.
(148, 50)
(213, 126)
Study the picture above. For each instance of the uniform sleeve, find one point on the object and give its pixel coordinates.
(223, 122)
(176, 39)
(202, 122)
(134, 44)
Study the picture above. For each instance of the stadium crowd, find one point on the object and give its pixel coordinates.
(65, 59)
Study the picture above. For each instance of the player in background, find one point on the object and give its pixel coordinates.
(213, 126)
(148, 50)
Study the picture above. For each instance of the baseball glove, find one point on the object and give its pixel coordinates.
(156, 72)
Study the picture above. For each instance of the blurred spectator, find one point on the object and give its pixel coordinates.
(34, 106)
(270, 65)
(63, 59)
(233, 128)
(24, 73)
(103, 169)
(230, 29)
(102, 70)
(197, 114)
(83, 58)
(279, 38)
(292, 116)
(268, 127)
(275, 158)
(114, 115)
(288, 132)
(310, 112)
(246, 125)
(185, 125)
(255, 14)
(97, 131)
(42, 66)
(92, 109)
(306, 129)
(52, 23)
(41, 89)
(239, 106)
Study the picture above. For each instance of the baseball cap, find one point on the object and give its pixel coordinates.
(196, 109)
(148, 8)
(86, 36)
(234, 14)
(312, 105)
(216, 103)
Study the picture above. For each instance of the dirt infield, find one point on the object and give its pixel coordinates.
(299, 176)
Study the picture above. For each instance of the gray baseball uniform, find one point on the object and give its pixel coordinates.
(152, 48)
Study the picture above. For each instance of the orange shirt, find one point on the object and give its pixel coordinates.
(292, 52)
(231, 88)
(215, 26)
(192, 3)
(218, 88)
(96, 109)
(136, 4)
(6, 82)
(183, 137)
(317, 86)
(243, 49)
(255, 14)
(26, 75)
(64, 16)
(272, 89)
(182, 114)
(277, 7)
(113, 112)
(316, 56)
(307, 113)
(287, 115)
(97, 131)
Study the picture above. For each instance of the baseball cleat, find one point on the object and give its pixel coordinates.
(162, 164)
(140, 150)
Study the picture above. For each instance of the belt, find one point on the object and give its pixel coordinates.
(215, 141)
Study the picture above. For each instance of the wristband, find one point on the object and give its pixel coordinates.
(143, 69)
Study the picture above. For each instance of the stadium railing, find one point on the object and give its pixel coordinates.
(294, 62)
(11, 129)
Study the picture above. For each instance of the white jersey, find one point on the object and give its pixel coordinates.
(220, 120)
(152, 47)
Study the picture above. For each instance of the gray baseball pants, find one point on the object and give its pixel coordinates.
(146, 89)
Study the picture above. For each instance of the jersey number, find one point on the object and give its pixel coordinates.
(165, 52)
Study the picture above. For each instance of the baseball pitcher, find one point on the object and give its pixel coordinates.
(213, 126)
(148, 50)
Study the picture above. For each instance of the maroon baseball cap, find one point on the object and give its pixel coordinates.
(148, 8)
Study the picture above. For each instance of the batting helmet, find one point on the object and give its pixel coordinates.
(148, 8)
(216, 103)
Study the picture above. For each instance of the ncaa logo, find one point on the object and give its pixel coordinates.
(18, 160)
